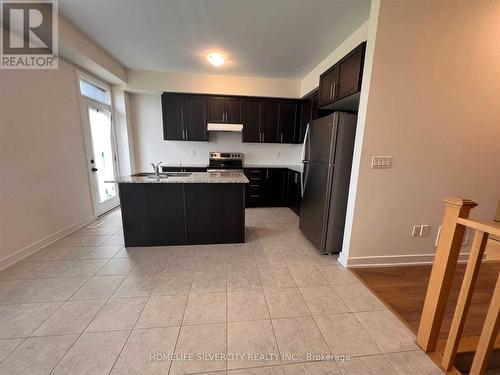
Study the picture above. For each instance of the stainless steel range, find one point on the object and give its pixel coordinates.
(225, 162)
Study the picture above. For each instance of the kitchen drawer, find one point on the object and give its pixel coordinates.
(254, 199)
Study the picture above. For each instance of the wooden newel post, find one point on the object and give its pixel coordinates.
(445, 261)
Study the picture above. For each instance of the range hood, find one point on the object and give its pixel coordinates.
(212, 127)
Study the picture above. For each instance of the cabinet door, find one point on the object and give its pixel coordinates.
(275, 187)
(327, 85)
(233, 110)
(172, 117)
(294, 191)
(350, 69)
(315, 106)
(269, 121)
(305, 117)
(216, 109)
(251, 121)
(209, 205)
(195, 118)
(153, 214)
(287, 122)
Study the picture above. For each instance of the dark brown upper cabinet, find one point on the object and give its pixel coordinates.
(184, 117)
(251, 121)
(234, 110)
(328, 85)
(350, 71)
(265, 120)
(172, 117)
(269, 121)
(288, 122)
(195, 117)
(224, 110)
(338, 84)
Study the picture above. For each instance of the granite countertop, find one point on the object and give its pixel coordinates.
(191, 178)
(296, 168)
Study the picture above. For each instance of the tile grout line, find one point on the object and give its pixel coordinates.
(270, 317)
(80, 335)
(182, 319)
(133, 326)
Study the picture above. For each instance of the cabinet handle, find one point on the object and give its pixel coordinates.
(281, 140)
(254, 196)
(263, 137)
(295, 178)
(254, 185)
(334, 87)
(267, 173)
(331, 90)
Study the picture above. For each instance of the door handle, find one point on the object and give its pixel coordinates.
(94, 169)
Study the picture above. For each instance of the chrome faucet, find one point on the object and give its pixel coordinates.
(156, 168)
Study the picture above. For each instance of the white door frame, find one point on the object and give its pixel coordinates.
(85, 104)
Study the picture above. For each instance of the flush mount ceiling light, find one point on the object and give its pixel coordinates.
(216, 59)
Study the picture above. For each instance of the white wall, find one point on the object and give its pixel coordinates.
(82, 51)
(150, 146)
(311, 80)
(148, 82)
(433, 105)
(44, 187)
(124, 131)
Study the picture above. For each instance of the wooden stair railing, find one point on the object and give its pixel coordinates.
(455, 221)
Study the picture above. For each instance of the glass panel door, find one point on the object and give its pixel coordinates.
(101, 145)
(103, 163)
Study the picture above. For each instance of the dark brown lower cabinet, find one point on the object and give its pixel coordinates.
(163, 214)
(294, 191)
(272, 187)
(183, 169)
(153, 214)
(215, 213)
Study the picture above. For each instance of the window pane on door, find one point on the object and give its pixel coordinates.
(100, 128)
(92, 91)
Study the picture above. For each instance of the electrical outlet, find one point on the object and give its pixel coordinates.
(415, 232)
(424, 230)
(379, 162)
(278, 154)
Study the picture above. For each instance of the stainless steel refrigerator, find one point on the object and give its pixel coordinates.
(327, 161)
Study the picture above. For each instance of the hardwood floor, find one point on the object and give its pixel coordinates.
(404, 288)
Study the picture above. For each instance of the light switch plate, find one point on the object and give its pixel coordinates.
(379, 162)
(424, 230)
(415, 231)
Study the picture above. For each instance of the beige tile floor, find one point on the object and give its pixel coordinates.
(87, 305)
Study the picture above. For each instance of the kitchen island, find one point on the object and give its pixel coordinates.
(182, 208)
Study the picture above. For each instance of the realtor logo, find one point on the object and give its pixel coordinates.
(29, 34)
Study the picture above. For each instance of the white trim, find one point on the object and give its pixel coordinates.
(44, 242)
(396, 260)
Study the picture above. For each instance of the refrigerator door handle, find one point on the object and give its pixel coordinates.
(306, 138)
(303, 178)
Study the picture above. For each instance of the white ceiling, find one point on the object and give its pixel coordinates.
(267, 38)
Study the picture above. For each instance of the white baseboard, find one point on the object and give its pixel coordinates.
(44, 242)
(396, 260)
